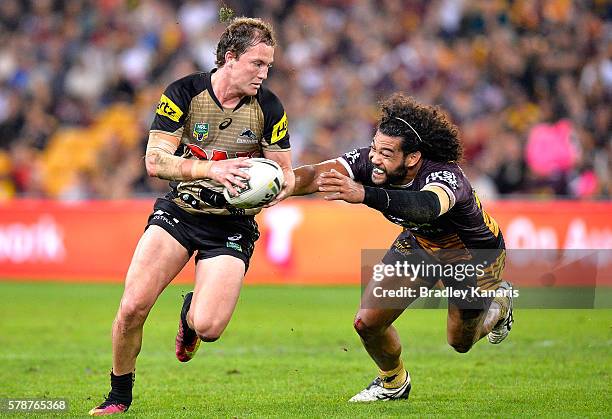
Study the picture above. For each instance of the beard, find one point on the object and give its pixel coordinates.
(395, 177)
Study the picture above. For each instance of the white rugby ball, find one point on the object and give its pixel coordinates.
(265, 183)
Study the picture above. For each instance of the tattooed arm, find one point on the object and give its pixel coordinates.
(161, 162)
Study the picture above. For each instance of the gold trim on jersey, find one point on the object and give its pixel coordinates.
(444, 244)
(491, 223)
(492, 273)
(488, 220)
(449, 241)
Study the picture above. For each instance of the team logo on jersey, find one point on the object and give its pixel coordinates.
(279, 130)
(200, 131)
(169, 109)
(443, 176)
(352, 156)
(247, 137)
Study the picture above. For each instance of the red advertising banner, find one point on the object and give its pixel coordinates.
(302, 242)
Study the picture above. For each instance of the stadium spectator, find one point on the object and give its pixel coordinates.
(499, 67)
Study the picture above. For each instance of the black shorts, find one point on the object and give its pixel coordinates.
(209, 234)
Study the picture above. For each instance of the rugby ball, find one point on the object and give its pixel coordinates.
(264, 185)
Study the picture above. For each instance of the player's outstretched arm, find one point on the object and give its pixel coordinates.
(161, 162)
(418, 206)
(307, 177)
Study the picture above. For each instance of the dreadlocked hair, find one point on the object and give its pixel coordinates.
(439, 138)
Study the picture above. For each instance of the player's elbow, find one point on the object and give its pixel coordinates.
(425, 215)
(305, 177)
(426, 207)
(151, 163)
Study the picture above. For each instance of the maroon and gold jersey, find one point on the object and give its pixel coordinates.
(190, 111)
(465, 225)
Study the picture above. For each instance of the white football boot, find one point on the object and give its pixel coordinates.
(503, 326)
(376, 392)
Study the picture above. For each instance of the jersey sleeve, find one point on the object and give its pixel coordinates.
(358, 165)
(173, 107)
(276, 126)
(451, 179)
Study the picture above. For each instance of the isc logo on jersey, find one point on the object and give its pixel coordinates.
(169, 109)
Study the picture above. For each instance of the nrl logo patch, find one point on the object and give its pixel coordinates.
(200, 131)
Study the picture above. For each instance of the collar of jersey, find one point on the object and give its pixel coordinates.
(211, 92)
(407, 185)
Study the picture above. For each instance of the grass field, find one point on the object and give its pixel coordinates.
(292, 352)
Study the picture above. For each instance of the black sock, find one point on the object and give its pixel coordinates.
(121, 387)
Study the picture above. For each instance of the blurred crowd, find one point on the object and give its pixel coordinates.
(529, 83)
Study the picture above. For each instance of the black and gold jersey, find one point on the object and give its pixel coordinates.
(189, 110)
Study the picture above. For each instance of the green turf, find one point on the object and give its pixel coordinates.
(292, 352)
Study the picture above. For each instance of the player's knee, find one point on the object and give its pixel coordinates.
(462, 349)
(364, 329)
(208, 335)
(208, 331)
(133, 312)
(460, 346)
(208, 338)
(359, 325)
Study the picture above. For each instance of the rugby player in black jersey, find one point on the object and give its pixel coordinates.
(410, 174)
(205, 128)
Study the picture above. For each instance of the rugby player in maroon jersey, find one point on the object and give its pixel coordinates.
(410, 174)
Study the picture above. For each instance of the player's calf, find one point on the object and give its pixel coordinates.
(464, 327)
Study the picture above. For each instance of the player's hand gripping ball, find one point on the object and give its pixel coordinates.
(264, 185)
